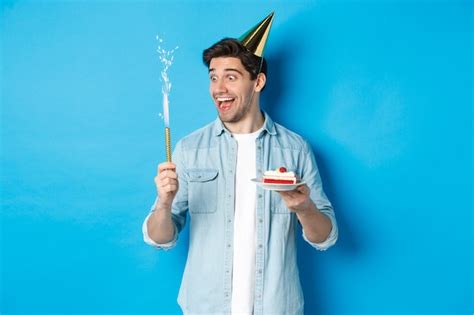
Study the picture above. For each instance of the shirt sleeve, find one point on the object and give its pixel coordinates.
(149, 241)
(330, 240)
(311, 176)
(179, 207)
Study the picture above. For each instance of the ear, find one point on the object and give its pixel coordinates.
(260, 82)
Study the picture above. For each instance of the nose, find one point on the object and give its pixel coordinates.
(219, 86)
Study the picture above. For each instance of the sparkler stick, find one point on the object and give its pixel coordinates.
(168, 144)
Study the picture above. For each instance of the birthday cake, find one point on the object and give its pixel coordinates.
(279, 176)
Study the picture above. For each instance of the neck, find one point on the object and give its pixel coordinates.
(250, 123)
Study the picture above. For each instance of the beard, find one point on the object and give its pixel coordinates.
(237, 113)
(234, 117)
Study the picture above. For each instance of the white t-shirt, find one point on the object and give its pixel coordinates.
(245, 230)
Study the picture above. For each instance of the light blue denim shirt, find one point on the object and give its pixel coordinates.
(206, 162)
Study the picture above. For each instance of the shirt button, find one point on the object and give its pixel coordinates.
(260, 271)
(260, 221)
(259, 195)
(229, 220)
(228, 245)
(260, 246)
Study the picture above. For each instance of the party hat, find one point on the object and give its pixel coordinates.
(256, 38)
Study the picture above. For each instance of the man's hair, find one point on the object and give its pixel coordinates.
(231, 47)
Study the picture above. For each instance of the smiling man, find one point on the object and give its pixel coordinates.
(242, 238)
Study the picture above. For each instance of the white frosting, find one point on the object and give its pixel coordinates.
(279, 174)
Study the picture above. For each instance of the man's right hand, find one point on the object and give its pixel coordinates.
(167, 184)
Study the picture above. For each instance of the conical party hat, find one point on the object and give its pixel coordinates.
(256, 38)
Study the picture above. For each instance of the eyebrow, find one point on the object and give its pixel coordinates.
(227, 70)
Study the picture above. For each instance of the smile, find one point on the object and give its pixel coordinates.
(224, 102)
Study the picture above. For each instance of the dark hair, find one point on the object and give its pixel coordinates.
(231, 47)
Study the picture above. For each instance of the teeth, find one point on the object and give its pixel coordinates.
(224, 99)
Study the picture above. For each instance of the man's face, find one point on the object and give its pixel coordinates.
(231, 89)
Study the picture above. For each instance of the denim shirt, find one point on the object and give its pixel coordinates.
(206, 163)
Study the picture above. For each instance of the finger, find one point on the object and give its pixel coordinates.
(284, 194)
(170, 188)
(304, 189)
(166, 166)
(168, 174)
(289, 197)
(168, 181)
(162, 182)
(300, 189)
(289, 193)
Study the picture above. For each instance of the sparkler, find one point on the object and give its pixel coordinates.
(166, 59)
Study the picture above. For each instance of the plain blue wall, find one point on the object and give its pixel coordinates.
(382, 90)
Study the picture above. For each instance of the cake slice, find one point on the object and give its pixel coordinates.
(279, 176)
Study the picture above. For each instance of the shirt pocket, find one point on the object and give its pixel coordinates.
(202, 190)
(278, 206)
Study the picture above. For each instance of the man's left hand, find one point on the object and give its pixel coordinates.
(297, 200)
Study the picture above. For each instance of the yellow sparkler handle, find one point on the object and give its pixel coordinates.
(168, 144)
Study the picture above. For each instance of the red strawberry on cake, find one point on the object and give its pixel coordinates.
(279, 176)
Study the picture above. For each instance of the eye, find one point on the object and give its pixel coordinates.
(213, 78)
(231, 77)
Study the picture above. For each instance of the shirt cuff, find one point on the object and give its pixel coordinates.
(330, 240)
(149, 241)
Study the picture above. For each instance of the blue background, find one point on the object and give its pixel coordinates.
(382, 90)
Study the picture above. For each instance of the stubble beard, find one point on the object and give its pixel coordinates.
(235, 117)
(239, 114)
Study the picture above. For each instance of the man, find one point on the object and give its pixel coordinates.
(242, 238)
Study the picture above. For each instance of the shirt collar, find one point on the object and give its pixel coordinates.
(268, 126)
